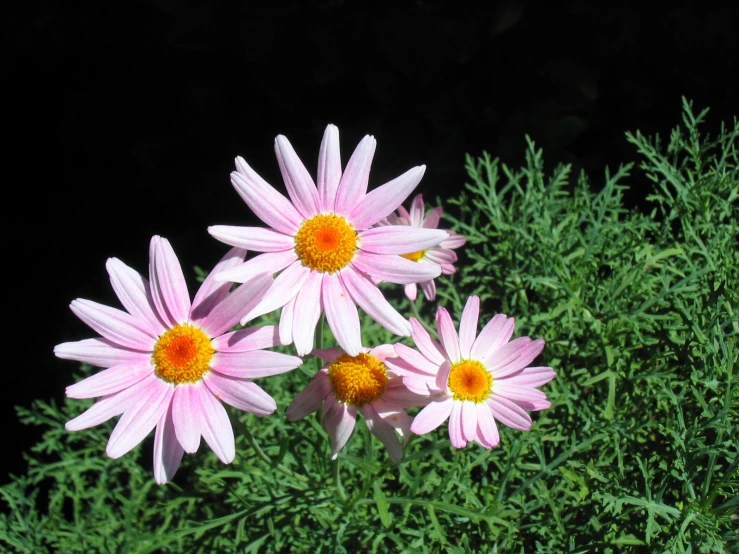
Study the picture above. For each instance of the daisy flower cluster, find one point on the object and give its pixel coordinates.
(170, 362)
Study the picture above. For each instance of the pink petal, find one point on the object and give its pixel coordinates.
(252, 238)
(329, 168)
(513, 357)
(496, 332)
(399, 395)
(448, 334)
(133, 290)
(268, 204)
(109, 381)
(168, 285)
(442, 377)
(338, 421)
(186, 417)
(299, 184)
(487, 429)
(468, 326)
(394, 269)
(429, 289)
(517, 393)
(383, 431)
(307, 312)
(341, 314)
(109, 406)
(455, 240)
(433, 415)
(432, 219)
(284, 288)
(328, 355)
(398, 419)
(372, 301)
(246, 340)
(272, 262)
(416, 359)
(250, 365)
(212, 292)
(417, 210)
(469, 420)
(509, 413)
(100, 352)
(383, 200)
(456, 434)
(411, 291)
(353, 185)
(239, 302)
(240, 394)
(440, 256)
(310, 398)
(140, 418)
(531, 377)
(167, 451)
(397, 239)
(115, 325)
(287, 314)
(428, 346)
(214, 424)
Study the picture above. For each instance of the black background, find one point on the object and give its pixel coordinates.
(122, 120)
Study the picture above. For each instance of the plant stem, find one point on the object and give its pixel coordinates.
(263, 455)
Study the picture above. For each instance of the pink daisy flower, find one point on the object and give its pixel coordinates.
(323, 243)
(474, 380)
(350, 384)
(441, 255)
(170, 363)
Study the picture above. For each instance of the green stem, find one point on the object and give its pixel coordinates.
(263, 455)
(337, 480)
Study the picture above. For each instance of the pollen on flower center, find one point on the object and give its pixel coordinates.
(182, 354)
(469, 380)
(357, 380)
(326, 242)
(414, 256)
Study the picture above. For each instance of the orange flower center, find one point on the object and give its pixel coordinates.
(469, 380)
(182, 354)
(326, 242)
(357, 380)
(414, 256)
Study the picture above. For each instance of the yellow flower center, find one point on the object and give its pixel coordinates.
(182, 354)
(469, 380)
(414, 256)
(326, 242)
(357, 380)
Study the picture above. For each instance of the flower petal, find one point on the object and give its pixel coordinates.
(469, 420)
(411, 291)
(416, 359)
(383, 431)
(431, 221)
(284, 288)
(530, 377)
(110, 381)
(341, 314)
(394, 269)
(509, 413)
(456, 434)
(373, 302)
(513, 357)
(517, 393)
(100, 352)
(246, 340)
(167, 450)
(186, 417)
(252, 238)
(285, 327)
(468, 326)
(383, 200)
(428, 346)
(271, 262)
(486, 427)
(338, 421)
(442, 377)
(353, 185)
(211, 291)
(268, 204)
(307, 312)
(329, 168)
(496, 332)
(398, 239)
(240, 301)
(168, 285)
(251, 365)
(133, 290)
(115, 325)
(429, 289)
(241, 394)
(299, 183)
(448, 334)
(433, 415)
(310, 398)
(417, 210)
(140, 418)
(214, 424)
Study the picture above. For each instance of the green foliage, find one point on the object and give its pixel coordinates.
(639, 451)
